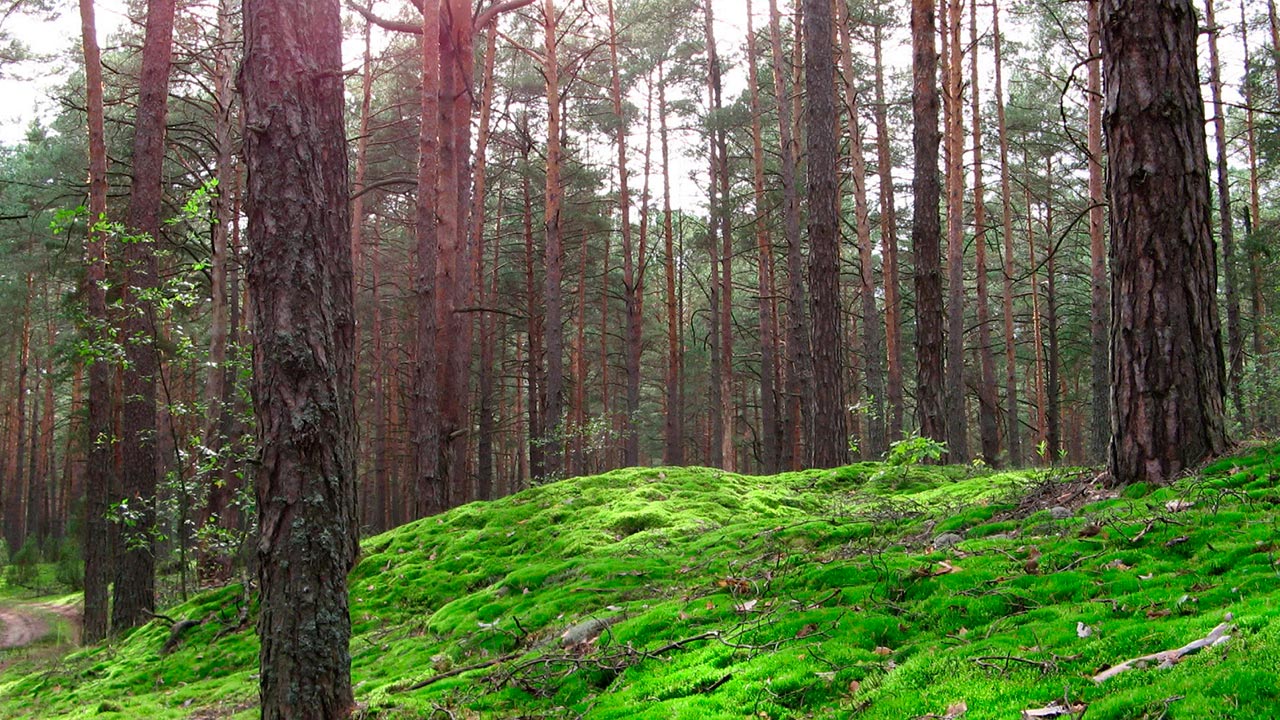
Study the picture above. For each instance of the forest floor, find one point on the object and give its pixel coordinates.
(868, 592)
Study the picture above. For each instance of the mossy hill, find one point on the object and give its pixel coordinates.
(694, 593)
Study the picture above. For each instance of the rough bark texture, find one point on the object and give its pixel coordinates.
(134, 589)
(301, 284)
(830, 440)
(926, 228)
(98, 416)
(1166, 353)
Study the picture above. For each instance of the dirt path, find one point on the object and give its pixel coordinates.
(20, 627)
(24, 624)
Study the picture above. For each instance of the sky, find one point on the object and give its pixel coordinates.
(25, 89)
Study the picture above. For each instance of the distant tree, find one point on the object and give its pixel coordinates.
(301, 286)
(1167, 376)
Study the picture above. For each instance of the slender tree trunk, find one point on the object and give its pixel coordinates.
(1037, 319)
(430, 489)
(537, 431)
(1053, 406)
(770, 434)
(1099, 311)
(673, 423)
(553, 418)
(954, 398)
(381, 464)
(484, 444)
(1252, 218)
(1013, 427)
(304, 358)
(888, 249)
(721, 243)
(872, 331)
(134, 597)
(1167, 366)
(15, 511)
(1235, 343)
(799, 365)
(925, 226)
(988, 427)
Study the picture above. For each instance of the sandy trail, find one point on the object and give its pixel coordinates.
(22, 625)
(19, 627)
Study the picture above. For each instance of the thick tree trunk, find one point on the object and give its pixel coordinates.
(925, 226)
(988, 428)
(1167, 365)
(830, 441)
(134, 589)
(304, 361)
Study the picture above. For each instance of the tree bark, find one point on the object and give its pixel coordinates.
(872, 403)
(1235, 343)
(673, 423)
(431, 491)
(1167, 365)
(954, 398)
(770, 434)
(925, 225)
(988, 428)
(134, 589)
(830, 441)
(300, 278)
(554, 253)
(889, 250)
(1013, 428)
(1099, 310)
(799, 363)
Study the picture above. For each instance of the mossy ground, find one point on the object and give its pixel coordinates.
(812, 594)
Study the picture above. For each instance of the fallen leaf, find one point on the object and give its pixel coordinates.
(1153, 614)
(962, 631)
(1176, 541)
(1178, 505)
(747, 606)
(806, 630)
(882, 651)
(955, 710)
(1082, 630)
(854, 686)
(1118, 564)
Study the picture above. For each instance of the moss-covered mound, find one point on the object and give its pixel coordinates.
(866, 592)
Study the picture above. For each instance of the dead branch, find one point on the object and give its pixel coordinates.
(1168, 658)
(457, 671)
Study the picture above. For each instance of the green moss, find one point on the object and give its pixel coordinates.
(797, 595)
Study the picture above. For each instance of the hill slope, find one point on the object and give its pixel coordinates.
(693, 593)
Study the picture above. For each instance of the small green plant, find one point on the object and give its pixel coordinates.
(69, 570)
(913, 450)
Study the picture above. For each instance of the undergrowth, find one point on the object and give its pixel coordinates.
(817, 594)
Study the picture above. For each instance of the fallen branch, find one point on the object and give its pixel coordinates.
(986, 662)
(175, 634)
(1168, 658)
(456, 671)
